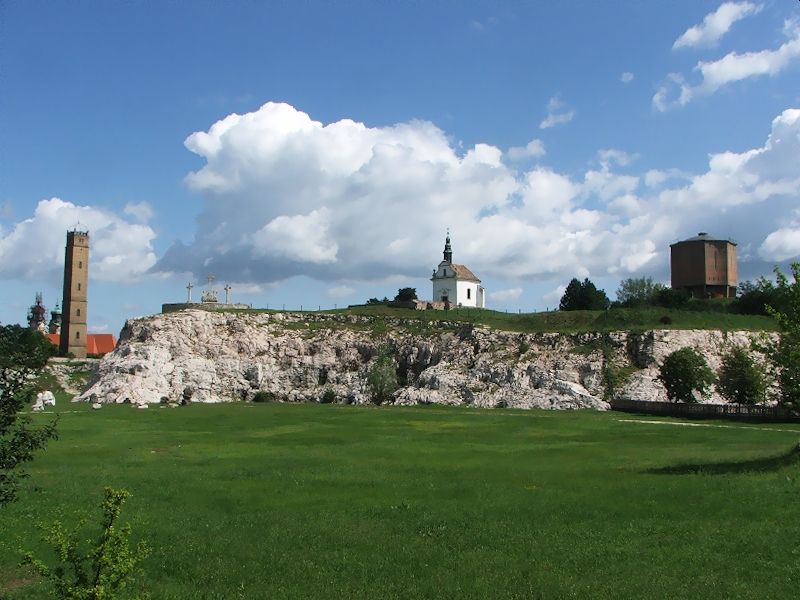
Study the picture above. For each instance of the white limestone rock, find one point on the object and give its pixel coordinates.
(202, 356)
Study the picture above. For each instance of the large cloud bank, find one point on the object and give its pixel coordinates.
(119, 250)
(285, 195)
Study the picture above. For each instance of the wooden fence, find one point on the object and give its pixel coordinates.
(739, 412)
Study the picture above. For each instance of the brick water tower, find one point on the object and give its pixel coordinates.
(704, 266)
(74, 303)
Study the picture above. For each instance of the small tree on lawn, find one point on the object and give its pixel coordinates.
(636, 291)
(684, 372)
(786, 352)
(741, 379)
(100, 572)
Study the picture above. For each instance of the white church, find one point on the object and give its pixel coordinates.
(456, 285)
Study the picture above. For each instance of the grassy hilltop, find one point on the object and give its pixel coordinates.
(614, 319)
(329, 501)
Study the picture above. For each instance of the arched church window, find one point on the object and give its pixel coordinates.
(77, 335)
(77, 312)
(469, 291)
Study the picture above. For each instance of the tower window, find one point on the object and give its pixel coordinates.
(77, 335)
(80, 264)
(79, 287)
(78, 311)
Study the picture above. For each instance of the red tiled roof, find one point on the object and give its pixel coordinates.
(96, 343)
(463, 272)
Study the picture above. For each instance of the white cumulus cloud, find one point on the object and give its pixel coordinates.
(716, 24)
(626, 77)
(341, 291)
(34, 248)
(533, 149)
(284, 195)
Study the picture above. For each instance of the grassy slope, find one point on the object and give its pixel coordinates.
(575, 321)
(310, 501)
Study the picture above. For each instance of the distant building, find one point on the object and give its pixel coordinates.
(455, 285)
(97, 344)
(75, 300)
(704, 266)
(37, 313)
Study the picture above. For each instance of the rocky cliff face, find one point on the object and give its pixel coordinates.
(219, 357)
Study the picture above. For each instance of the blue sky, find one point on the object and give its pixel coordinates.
(554, 139)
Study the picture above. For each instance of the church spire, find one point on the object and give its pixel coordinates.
(448, 251)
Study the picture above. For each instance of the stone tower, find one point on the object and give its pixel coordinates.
(76, 283)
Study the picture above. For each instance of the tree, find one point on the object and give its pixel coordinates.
(406, 294)
(684, 372)
(753, 298)
(583, 296)
(382, 377)
(741, 379)
(22, 353)
(636, 291)
(786, 352)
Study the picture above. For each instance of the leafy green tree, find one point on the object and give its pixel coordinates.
(23, 352)
(684, 372)
(741, 379)
(671, 298)
(753, 298)
(637, 291)
(406, 294)
(97, 573)
(786, 352)
(382, 377)
(583, 296)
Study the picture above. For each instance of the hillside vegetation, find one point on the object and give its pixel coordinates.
(614, 319)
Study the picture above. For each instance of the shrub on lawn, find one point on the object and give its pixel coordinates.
(263, 396)
(685, 372)
(328, 397)
(741, 379)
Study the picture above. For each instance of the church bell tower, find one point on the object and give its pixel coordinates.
(74, 303)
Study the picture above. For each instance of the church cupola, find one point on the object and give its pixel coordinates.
(448, 251)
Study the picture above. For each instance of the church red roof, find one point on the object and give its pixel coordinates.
(464, 273)
(96, 343)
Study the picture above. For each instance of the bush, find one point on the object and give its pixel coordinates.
(665, 320)
(741, 379)
(328, 397)
(382, 377)
(99, 572)
(263, 396)
(685, 372)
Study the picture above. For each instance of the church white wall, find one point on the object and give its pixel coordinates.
(469, 294)
(445, 287)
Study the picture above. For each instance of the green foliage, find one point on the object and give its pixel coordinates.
(382, 377)
(23, 352)
(263, 396)
(328, 396)
(786, 353)
(583, 296)
(102, 571)
(638, 291)
(406, 294)
(685, 372)
(671, 298)
(754, 298)
(741, 379)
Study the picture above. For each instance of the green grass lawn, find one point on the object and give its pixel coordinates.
(329, 501)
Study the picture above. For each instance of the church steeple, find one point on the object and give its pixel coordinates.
(448, 251)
